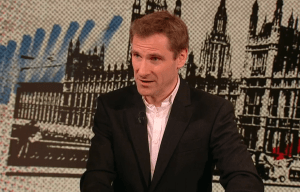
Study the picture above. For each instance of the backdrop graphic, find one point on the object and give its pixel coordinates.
(57, 57)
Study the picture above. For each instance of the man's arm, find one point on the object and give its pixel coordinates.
(100, 165)
(237, 171)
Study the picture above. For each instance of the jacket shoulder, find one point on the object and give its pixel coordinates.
(119, 97)
(207, 100)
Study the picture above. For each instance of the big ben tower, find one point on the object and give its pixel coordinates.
(215, 55)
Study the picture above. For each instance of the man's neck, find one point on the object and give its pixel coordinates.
(153, 100)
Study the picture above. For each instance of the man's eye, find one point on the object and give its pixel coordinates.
(154, 58)
(136, 55)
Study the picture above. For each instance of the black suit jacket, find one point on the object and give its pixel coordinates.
(201, 132)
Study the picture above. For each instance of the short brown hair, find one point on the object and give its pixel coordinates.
(164, 23)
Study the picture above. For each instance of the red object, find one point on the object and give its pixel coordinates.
(287, 151)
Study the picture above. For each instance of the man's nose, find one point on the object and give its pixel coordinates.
(144, 68)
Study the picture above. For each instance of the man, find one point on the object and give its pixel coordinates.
(161, 135)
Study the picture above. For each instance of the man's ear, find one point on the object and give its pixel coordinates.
(182, 56)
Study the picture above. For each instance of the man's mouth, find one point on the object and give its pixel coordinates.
(146, 81)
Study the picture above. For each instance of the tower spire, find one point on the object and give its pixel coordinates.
(278, 13)
(177, 10)
(70, 49)
(101, 54)
(291, 20)
(253, 19)
(77, 47)
(220, 22)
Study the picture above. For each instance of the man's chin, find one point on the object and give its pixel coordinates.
(144, 91)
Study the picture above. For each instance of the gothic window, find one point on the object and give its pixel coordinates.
(37, 99)
(258, 100)
(77, 118)
(254, 62)
(250, 137)
(21, 98)
(220, 25)
(281, 104)
(214, 61)
(247, 99)
(76, 87)
(82, 86)
(83, 100)
(57, 100)
(286, 102)
(297, 103)
(282, 141)
(253, 98)
(75, 100)
(273, 103)
(88, 100)
(275, 141)
(268, 145)
(80, 100)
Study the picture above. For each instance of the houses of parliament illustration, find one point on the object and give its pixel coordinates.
(266, 97)
(270, 115)
(270, 112)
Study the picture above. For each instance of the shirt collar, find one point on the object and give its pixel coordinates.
(169, 100)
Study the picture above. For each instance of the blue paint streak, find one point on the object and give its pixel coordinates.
(111, 30)
(2, 57)
(56, 30)
(25, 45)
(89, 25)
(2, 52)
(24, 49)
(37, 42)
(62, 54)
(7, 65)
(11, 48)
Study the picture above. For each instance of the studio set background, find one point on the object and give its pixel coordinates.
(58, 56)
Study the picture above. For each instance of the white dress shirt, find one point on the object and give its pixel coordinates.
(157, 118)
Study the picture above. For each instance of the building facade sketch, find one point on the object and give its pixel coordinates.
(52, 120)
(269, 119)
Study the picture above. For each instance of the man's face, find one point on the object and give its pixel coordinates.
(155, 69)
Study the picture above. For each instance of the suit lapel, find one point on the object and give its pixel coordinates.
(178, 120)
(139, 135)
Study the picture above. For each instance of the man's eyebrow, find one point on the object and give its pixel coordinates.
(149, 55)
(134, 51)
(156, 55)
